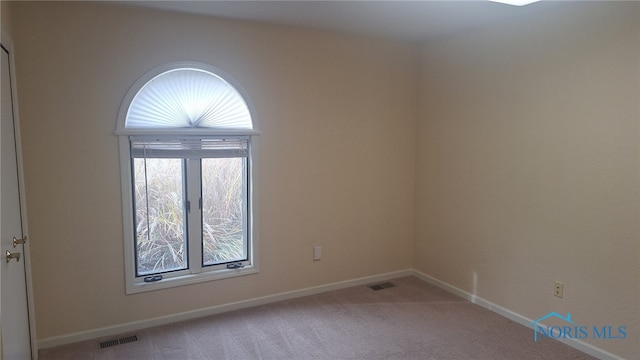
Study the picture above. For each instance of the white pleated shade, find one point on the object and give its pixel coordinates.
(188, 98)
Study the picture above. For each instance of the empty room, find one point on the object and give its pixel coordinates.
(320, 180)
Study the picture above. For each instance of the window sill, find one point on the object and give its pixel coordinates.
(139, 287)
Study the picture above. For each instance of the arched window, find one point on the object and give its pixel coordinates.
(186, 158)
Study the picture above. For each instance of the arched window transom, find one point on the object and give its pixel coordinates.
(188, 98)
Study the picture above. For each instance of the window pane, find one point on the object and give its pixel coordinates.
(160, 215)
(223, 210)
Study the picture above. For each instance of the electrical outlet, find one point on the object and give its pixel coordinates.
(558, 288)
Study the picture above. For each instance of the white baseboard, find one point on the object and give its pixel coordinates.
(515, 317)
(143, 324)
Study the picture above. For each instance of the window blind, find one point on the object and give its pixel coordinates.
(190, 147)
(188, 98)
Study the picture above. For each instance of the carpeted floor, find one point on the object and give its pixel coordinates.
(412, 320)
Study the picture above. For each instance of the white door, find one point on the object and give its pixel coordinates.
(16, 342)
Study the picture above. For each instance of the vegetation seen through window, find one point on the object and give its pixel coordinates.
(161, 213)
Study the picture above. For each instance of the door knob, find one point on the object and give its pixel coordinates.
(17, 242)
(11, 255)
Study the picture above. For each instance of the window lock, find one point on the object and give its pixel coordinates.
(152, 278)
(237, 265)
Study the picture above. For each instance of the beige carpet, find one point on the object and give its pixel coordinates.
(413, 320)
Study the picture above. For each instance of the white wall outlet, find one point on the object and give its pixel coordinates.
(317, 253)
(558, 288)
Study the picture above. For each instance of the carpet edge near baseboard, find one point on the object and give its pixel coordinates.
(133, 326)
(243, 304)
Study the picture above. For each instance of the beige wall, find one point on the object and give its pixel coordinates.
(336, 164)
(6, 24)
(528, 165)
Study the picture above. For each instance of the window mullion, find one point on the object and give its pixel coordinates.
(194, 215)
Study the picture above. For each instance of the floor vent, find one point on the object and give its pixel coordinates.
(382, 286)
(120, 341)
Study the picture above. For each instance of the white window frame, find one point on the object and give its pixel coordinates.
(195, 273)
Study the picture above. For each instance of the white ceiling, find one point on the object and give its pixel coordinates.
(407, 20)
